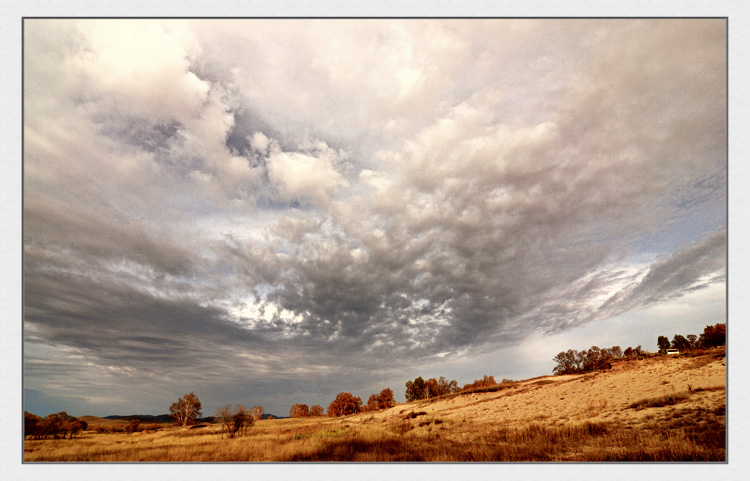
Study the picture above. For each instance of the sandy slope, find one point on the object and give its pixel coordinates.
(601, 396)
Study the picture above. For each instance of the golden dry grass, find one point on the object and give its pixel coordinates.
(660, 409)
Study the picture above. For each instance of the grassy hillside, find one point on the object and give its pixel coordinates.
(655, 409)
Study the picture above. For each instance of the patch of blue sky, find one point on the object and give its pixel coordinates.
(683, 229)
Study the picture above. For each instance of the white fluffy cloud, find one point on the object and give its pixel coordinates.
(303, 177)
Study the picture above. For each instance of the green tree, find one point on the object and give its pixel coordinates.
(415, 390)
(663, 343)
(567, 362)
(680, 343)
(447, 387)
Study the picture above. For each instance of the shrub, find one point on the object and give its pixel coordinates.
(133, 426)
(234, 423)
(486, 381)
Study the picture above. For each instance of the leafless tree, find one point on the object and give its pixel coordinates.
(258, 413)
(234, 423)
(186, 410)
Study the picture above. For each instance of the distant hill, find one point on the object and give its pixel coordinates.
(162, 418)
(144, 418)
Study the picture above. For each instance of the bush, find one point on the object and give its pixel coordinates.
(57, 425)
(133, 426)
(234, 423)
(486, 381)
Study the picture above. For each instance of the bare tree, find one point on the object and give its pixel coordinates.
(234, 422)
(258, 413)
(186, 410)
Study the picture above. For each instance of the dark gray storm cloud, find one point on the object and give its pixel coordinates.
(276, 207)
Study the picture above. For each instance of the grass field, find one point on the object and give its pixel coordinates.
(656, 409)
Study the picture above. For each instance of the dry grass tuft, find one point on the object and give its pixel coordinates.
(660, 401)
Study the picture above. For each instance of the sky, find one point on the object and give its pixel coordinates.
(270, 212)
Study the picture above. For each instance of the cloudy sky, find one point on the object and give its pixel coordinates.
(274, 211)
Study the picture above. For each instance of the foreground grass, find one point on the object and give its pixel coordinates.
(693, 436)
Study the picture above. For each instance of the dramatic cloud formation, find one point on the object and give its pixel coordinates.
(273, 211)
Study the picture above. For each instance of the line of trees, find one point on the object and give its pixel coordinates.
(187, 409)
(302, 411)
(56, 426)
(713, 336)
(593, 359)
(421, 389)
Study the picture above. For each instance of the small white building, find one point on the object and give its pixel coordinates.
(673, 351)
